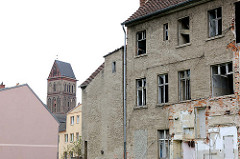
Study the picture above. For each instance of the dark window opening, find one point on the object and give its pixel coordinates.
(141, 42)
(165, 32)
(222, 79)
(237, 21)
(215, 22)
(183, 31)
(114, 67)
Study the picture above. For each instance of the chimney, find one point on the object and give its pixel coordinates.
(142, 2)
(2, 86)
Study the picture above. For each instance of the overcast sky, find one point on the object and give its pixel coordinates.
(34, 32)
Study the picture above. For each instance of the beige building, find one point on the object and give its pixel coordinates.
(71, 135)
(182, 85)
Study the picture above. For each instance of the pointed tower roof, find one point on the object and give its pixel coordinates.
(62, 69)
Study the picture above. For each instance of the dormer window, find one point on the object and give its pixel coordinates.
(141, 42)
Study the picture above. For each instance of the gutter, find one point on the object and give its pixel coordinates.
(161, 11)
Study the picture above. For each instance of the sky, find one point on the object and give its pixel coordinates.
(33, 33)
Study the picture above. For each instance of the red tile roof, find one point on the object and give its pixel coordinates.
(93, 75)
(153, 6)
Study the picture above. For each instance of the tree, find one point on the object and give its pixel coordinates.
(73, 149)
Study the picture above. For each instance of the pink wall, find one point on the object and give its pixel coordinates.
(27, 129)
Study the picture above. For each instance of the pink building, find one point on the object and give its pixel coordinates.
(27, 128)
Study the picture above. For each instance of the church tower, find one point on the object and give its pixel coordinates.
(61, 91)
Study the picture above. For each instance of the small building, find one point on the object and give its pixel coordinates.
(27, 128)
(70, 137)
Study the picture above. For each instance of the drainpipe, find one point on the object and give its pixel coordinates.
(124, 95)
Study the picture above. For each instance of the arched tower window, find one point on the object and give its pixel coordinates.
(64, 87)
(49, 103)
(58, 104)
(69, 88)
(54, 105)
(72, 88)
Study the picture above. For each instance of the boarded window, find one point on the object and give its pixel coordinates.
(183, 31)
(222, 79)
(141, 42)
(200, 126)
(215, 22)
(237, 21)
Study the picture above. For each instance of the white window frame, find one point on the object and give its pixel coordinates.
(71, 137)
(141, 89)
(72, 120)
(66, 138)
(164, 86)
(78, 117)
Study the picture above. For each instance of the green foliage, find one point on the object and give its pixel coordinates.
(73, 149)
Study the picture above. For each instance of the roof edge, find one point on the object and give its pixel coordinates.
(113, 51)
(127, 23)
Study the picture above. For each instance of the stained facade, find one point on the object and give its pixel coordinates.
(61, 92)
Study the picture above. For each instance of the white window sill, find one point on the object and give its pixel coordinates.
(142, 55)
(214, 37)
(183, 45)
(140, 107)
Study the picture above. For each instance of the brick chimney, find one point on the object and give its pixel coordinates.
(2, 86)
(142, 2)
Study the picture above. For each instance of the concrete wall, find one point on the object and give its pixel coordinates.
(28, 130)
(168, 57)
(103, 111)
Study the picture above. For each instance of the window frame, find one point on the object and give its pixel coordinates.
(72, 120)
(138, 40)
(166, 138)
(164, 85)
(187, 91)
(66, 138)
(78, 117)
(143, 90)
(216, 22)
(71, 137)
(165, 32)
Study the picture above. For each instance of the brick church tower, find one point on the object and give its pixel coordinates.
(61, 91)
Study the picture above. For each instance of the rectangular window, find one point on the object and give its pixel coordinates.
(72, 120)
(141, 92)
(163, 88)
(222, 79)
(114, 67)
(66, 137)
(71, 137)
(77, 135)
(237, 21)
(183, 31)
(165, 32)
(164, 144)
(200, 125)
(77, 119)
(184, 85)
(141, 42)
(215, 22)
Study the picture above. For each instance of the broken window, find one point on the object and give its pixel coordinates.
(222, 79)
(141, 42)
(165, 32)
(184, 85)
(200, 123)
(215, 22)
(114, 67)
(163, 88)
(164, 144)
(183, 31)
(141, 92)
(237, 21)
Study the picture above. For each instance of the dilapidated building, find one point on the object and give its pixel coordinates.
(182, 83)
